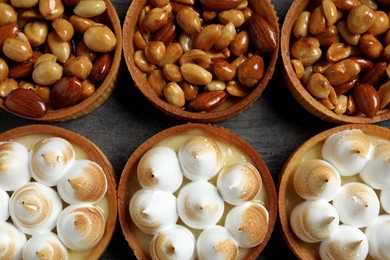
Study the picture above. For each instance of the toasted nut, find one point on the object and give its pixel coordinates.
(187, 2)
(6, 86)
(8, 31)
(89, 9)
(330, 11)
(208, 37)
(345, 87)
(238, 61)
(29, 15)
(370, 46)
(223, 70)
(388, 70)
(207, 101)
(346, 5)
(43, 58)
(360, 18)
(88, 89)
(51, 9)
(155, 19)
(342, 71)
(321, 66)
(189, 21)
(172, 72)
(386, 38)
(3, 69)
(227, 35)
(236, 89)
(195, 74)
(338, 51)
(318, 86)
(298, 68)
(66, 92)
(158, 3)
(328, 37)
(386, 52)
(209, 15)
(220, 5)
(317, 23)
(231, 16)
(80, 24)
(47, 73)
(101, 67)
(100, 38)
(186, 41)
(63, 28)
(43, 92)
(79, 67)
(366, 99)
(36, 32)
(142, 63)
(263, 34)
(384, 94)
(196, 56)
(167, 33)
(240, 44)
(173, 52)
(174, 94)
(251, 71)
(341, 107)
(83, 50)
(17, 49)
(326, 102)
(24, 3)
(139, 41)
(374, 74)
(350, 37)
(301, 25)
(351, 106)
(215, 85)
(58, 47)
(26, 102)
(306, 50)
(7, 14)
(380, 24)
(363, 63)
(157, 81)
(332, 96)
(309, 70)
(190, 90)
(154, 51)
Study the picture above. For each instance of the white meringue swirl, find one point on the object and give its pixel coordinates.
(314, 220)
(175, 243)
(50, 159)
(348, 151)
(347, 243)
(200, 158)
(199, 204)
(248, 223)
(4, 205)
(378, 235)
(153, 210)
(45, 246)
(34, 208)
(159, 168)
(384, 198)
(12, 241)
(80, 226)
(14, 170)
(357, 204)
(84, 182)
(216, 243)
(239, 182)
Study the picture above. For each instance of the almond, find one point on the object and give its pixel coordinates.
(100, 68)
(219, 5)
(367, 99)
(167, 33)
(262, 33)
(66, 92)
(26, 102)
(373, 74)
(25, 69)
(207, 101)
(345, 87)
(7, 31)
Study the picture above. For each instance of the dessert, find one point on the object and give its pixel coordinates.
(12, 241)
(240, 231)
(353, 222)
(77, 222)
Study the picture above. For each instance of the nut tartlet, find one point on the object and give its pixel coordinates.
(336, 36)
(203, 82)
(214, 219)
(91, 208)
(75, 75)
(315, 185)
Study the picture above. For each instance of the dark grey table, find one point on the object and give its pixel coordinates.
(275, 125)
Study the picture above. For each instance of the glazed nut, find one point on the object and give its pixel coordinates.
(348, 36)
(3, 69)
(80, 24)
(373, 74)
(262, 33)
(83, 50)
(318, 86)
(79, 67)
(328, 37)
(36, 32)
(43, 58)
(384, 94)
(167, 33)
(8, 14)
(380, 24)
(172, 72)
(360, 18)
(330, 11)
(154, 51)
(298, 68)
(227, 35)
(101, 68)
(366, 99)
(173, 52)
(63, 28)
(174, 94)
(223, 70)
(88, 89)
(370, 46)
(189, 21)
(240, 44)
(209, 15)
(342, 71)
(17, 49)
(58, 47)
(338, 51)
(208, 37)
(66, 92)
(6, 86)
(196, 56)
(231, 16)
(220, 5)
(89, 9)
(157, 82)
(24, 3)
(100, 38)
(47, 73)
(51, 9)
(236, 89)
(251, 71)
(190, 90)
(307, 50)
(155, 19)
(341, 107)
(195, 74)
(26, 102)
(207, 101)
(317, 23)
(215, 85)
(158, 3)
(139, 41)
(351, 106)
(301, 25)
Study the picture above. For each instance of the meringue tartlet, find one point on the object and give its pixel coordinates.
(334, 195)
(220, 201)
(57, 195)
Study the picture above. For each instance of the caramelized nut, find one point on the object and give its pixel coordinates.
(301, 25)
(318, 86)
(195, 74)
(66, 92)
(100, 69)
(36, 32)
(366, 99)
(190, 90)
(298, 68)
(360, 18)
(251, 71)
(3, 69)
(26, 102)
(172, 72)
(306, 50)
(208, 37)
(157, 81)
(189, 21)
(88, 89)
(223, 70)
(79, 67)
(7, 14)
(342, 71)
(370, 46)
(154, 51)
(51, 9)
(317, 23)
(240, 44)
(174, 94)
(17, 49)
(64, 29)
(89, 9)
(6, 86)
(337, 52)
(47, 73)
(207, 101)
(100, 38)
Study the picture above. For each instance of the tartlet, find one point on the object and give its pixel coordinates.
(173, 137)
(85, 151)
(288, 197)
(103, 90)
(233, 105)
